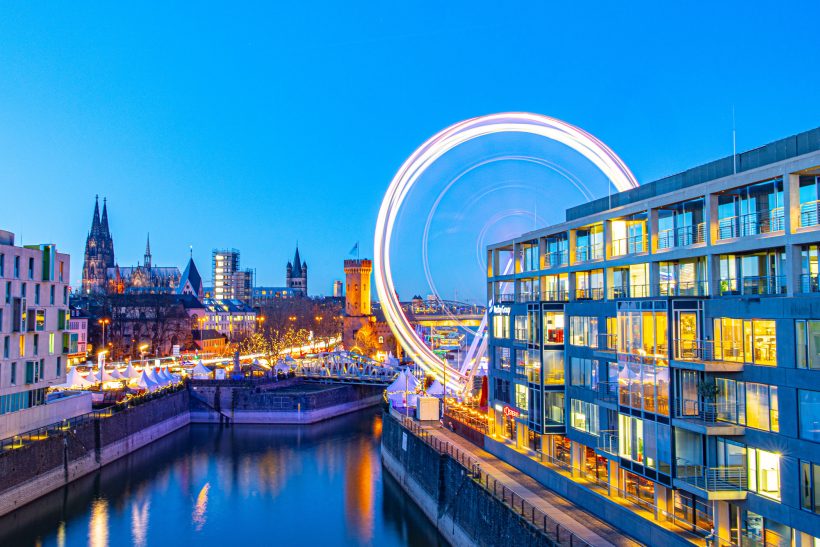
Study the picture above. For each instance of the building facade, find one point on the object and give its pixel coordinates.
(662, 346)
(296, 275)
(233, 319)
(338, 289)
(229, 282)
(99, 252)
(78, 336)
(34, 335)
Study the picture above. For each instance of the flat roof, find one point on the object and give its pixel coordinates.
(783, 149)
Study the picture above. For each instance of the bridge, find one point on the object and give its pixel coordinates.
(443, 313)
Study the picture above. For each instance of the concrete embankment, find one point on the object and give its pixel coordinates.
(462, 510)
(293, 402)
(39, 467)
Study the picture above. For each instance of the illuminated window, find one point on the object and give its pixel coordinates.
(764, 473)
(584, 417)
(553, 367)
(521, 396)
(553, 327)
(746, 341)
(501, 326)
(583, 331)
(51, 345)
(554, 407)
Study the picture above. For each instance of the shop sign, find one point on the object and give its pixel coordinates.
(510, 412)
(501, 310)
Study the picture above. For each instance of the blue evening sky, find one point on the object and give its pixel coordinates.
(254, 125)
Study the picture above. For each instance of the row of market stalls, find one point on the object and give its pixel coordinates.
(407, 388)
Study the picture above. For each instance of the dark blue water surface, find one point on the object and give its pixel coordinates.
(246, 485)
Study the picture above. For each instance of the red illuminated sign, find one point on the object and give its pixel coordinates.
(510, 412)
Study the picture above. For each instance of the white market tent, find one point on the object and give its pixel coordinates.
(435, 389)
(116, 374)
(149, 373)
(146, 382)
(200, 371)
(75, 379)
(130, 372)
(403, 388)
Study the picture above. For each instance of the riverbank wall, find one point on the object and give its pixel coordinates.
(289, 402)
(38, 467)
(448, 494)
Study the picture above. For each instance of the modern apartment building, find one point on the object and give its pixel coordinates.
(229, 282)
(660, 349)
(34, 286)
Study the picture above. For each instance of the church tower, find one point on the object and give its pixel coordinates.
(99, 252)
(147, 256)
(296, 275)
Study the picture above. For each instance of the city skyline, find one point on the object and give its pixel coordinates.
(211, 135)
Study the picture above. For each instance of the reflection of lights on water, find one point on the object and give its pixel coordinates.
(198, 517)
(61, 534)
(139, 523)
(359, 495)
(377, 428)
(98, 526)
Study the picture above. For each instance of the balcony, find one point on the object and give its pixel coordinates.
(765, 285)
(809, 214)
(630, 291)
(708, 356)
(607, 346)
(761, 222)
(709, 418)
(809, 283)
(711, 483)
(506, 298)
(608, 443)
(555, 296)
(527, 296)
(629, 245)
(683, 288)
(606, 394)
(595, 293)
(682, 236)
(586, 253)
(556, 259)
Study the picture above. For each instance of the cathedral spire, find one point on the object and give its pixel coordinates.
(148, 252)
(95, 220)
(104, 221)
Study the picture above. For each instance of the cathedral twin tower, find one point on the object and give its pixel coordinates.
(99, 252)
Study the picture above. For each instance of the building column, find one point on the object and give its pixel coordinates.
(791, 202)
(663, 503)
(607, 231)
(711, 223)
(654, 279)
(722, 520)
(613, 476)
(652, 227)
(576, 458)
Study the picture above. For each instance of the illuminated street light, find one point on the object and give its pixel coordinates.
(426, 155)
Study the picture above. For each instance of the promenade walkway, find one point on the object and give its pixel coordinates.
(584, 525)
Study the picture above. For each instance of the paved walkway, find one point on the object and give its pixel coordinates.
(583, 524)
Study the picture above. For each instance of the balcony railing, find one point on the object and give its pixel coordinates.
(765, 285)
(809, 283)
(712, 479)
(607, 391)
(709, 412)
(595, 293)
(555, 296)
(505, 298)
(682, 236)
(522, 335)
(528, 296)
(761, 222)
(685, 288)
(608, 341)
(630, 291)
(585, 253)
(629, 245)
(809, 213)
(556, 259)
(608, 441)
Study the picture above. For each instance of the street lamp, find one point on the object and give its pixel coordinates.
(143, 347)
(104, 321)
(259, 321)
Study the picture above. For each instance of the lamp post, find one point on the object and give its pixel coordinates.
(143, 347)
(104, 321)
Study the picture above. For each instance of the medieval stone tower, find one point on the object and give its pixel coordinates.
(296, 275)
(99, 252)
(357, 299)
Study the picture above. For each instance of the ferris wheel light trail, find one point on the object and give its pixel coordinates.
(426, 155)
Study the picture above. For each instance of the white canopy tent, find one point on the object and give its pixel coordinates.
(200, 371)
(146, 382)
(130, 372)
(435, 389)
(74, 380)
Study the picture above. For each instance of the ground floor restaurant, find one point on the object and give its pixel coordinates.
(600, 471)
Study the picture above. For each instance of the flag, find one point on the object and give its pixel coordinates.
(355, 249)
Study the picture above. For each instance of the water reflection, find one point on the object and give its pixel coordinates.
(320, 484)
(98, 525)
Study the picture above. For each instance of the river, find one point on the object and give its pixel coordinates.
(319, 484)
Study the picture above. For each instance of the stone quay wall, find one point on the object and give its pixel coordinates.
(42, 466)
(462, 510)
